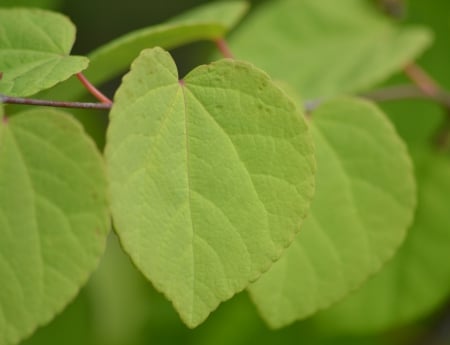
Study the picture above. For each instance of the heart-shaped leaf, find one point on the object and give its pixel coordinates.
(34, 51)
(327, 47)
(364, 203)
(210, 177)
(53, 217)
(417, 280)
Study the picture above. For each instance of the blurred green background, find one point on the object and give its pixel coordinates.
(118, 306)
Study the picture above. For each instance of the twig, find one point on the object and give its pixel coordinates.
(224, 49)
(92, 89)
(400, 92)
(59, 104)
(393, 93)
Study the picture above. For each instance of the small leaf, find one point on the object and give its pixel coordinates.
(417, 280)
(210, 177)
(364, 202)
(208, 22)
(34, 48)
(53, 217)
(328, 47)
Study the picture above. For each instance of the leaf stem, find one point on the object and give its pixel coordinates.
(431, 87)
(92, 89)
(422, 79)
(58, 104)
(224, 49)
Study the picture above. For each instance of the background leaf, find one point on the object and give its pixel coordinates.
(35, 54)
(364, 202)
(210, 177)
(53, 217)
(326, 47)
(34, 3)
(418, 279)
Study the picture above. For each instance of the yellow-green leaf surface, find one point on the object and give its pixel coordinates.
(210, 177)
(207, 22)
(53, 217)
(326, 47)
(417, 281)
(34, 51)
(364, 203)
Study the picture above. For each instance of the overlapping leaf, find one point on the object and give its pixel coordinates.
(208, 22)
(418, 279)
(326, 47)
(210, 177)
(364, 202)
(34, 51)
(53, 217)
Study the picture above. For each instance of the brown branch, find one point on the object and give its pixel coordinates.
(58, 104)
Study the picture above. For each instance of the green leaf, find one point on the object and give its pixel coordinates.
(417, 281)
(328, 47)
(226, 13)
(210, 177)
(34, 51)
(364, 202)
(207, 22)
(53, 217)
(34, 3)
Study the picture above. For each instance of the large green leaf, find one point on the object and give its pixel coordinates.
(417, 281)
(325, 47)
(207, 22)
(53, 217)
(34, 51)
(364, 202)
(210, 177)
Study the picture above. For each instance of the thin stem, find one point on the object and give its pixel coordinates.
(92, 89)
(224, 49)
(422, 79)
(394, 93)
(400, 92)
(58, 104)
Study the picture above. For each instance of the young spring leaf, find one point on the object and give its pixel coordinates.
(34, 51)
(53, 217)
(207, 22)
(363, 205)
(417, 280)
(210, 177)
(328, 47)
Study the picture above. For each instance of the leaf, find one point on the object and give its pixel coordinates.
(210, 177)
(34, 3)
(227, 13)
(364, 202)
(328, 47)
(53, 217)
(207, 22)
(34, 55)
(417, 281)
